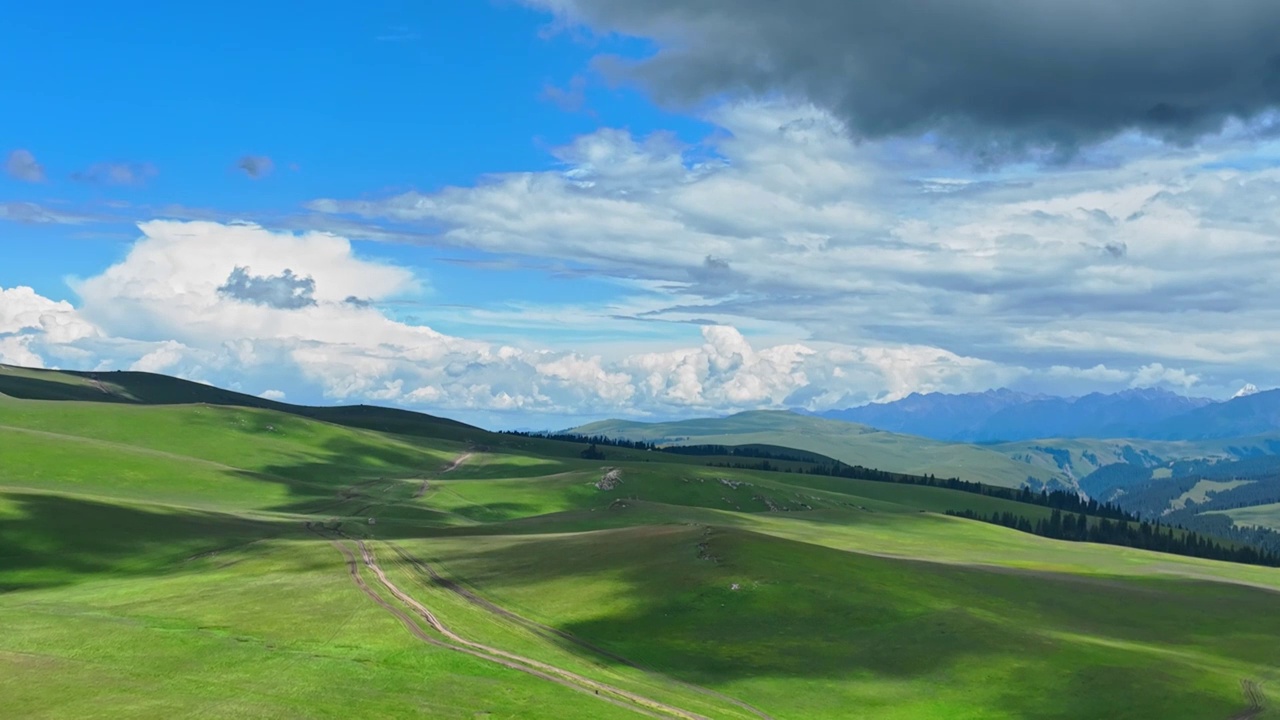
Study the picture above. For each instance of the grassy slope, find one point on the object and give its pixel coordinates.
(848, 442)
(1267, 516)
(127, 587)
(1083, 455)
(1010, 464)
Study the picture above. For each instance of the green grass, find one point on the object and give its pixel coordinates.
(190, 644)
(1064, 461)
(847, 442)
(154, 563)
(1199, 493)
(1266, 516)
(900, 638)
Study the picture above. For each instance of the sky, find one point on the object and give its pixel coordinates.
(532, 213)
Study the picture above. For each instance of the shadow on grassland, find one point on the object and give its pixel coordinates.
(49, 540)
(1060, 646)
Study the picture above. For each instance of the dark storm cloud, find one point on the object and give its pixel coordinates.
(285, 291)
(992, 75)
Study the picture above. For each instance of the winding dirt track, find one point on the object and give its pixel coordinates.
(353, 569)
(606, 691)
(426, 482)
(538, 628)
(452, 641)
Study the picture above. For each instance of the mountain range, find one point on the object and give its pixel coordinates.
(1006, 415)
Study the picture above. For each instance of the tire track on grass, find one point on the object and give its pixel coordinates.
(1252, 695)
(426, 482)
(353, 570)
(425, 570)
(614, 695)
(541, 669)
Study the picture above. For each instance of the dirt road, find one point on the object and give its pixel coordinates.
(430, 574)
(426, 482)
(450, 640)
(603, 690)
(353, 570)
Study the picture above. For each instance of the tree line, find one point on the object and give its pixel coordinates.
(1124, 525)
(1143, 535)
(1058, 499)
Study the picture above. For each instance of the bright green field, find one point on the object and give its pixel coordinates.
(155, 563)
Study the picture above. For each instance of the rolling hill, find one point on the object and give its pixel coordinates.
(1053, 462)
(232, 559)
(847, 442)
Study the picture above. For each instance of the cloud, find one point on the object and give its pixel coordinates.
(256, 166)
(1133, 254)
(31, 324)
(119, 173)
(1156, 374)
(33, 214)
(22, 165)
(166, 307)
(285, 291)
(996, 77)
(277, 395)
(162, 359)
(1098, 373)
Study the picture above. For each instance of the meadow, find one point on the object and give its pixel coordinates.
(209, 560)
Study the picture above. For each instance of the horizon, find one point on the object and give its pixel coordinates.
(576, 423)
(361, 227)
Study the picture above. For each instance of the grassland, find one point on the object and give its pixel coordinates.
(198, 560)
(847, 442)
(1062, 462)
(1267, 516)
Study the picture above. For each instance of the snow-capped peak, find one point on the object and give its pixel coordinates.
(1248, 389)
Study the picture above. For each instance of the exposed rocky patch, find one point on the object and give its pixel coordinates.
(611, 479)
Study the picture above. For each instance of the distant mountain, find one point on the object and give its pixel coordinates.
(1247, 390)
(935, 415)
(1249, 414)
(1007, 416)
(1127, 414)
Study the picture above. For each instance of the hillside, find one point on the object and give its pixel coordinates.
(848, 442)
(1076, 459)
(404, 575)
(1053, 462)
(141, 388)
(1243, 494)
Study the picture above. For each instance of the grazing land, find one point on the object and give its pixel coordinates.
(179, 554)
(1052, 462)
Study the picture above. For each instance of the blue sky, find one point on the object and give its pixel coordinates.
(556, 210)
(361, 98)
